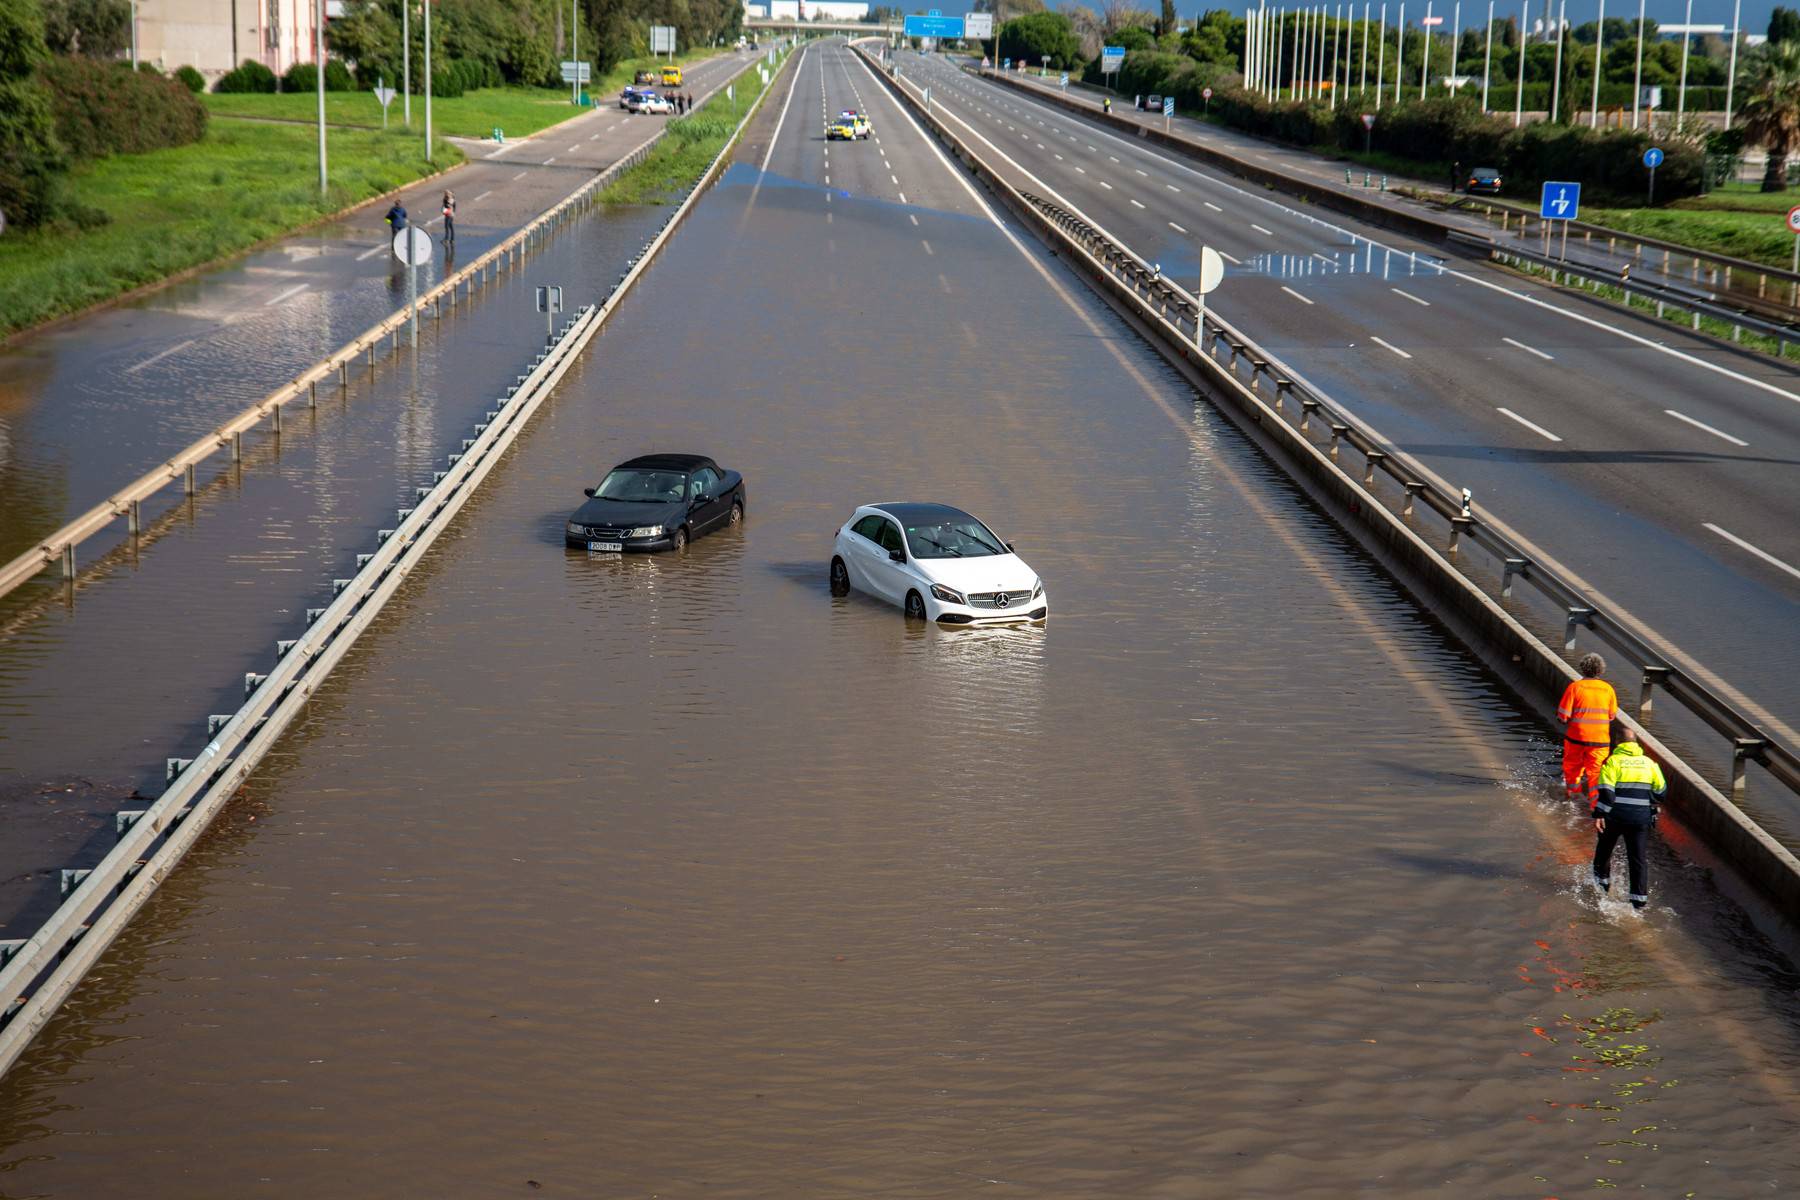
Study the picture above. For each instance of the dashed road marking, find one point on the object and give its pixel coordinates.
(1390, 346)
(1212, 206)
(1140, 205)
(1176, 228)
(278, 297)
(1702, 425)
(1296, 295)
(1735, 540)
(1261, 230)
(1528, 349)
(1410, 296)
(175, 349)
(1531, 425)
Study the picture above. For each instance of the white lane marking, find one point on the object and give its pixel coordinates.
(1529, 349)
(828, 179)
(1329, 259)
(278, 297)
(593, 137)
(1236, 262)
(1138, 204)
(371, 252)
(520, 176)
(1389, 345)
(1718, 433)
(1735, 540)
(1296, 295)
(792, 88)
(1106, 185)
(156, 358)
(483, 196)
(1142, 172)
(903, 197)
(1261, 230)
(1212, 206)
(1176, 228)
(1059, 158)
(1083, 170)
(575, 148)
(896, 180)
(1410, 296)
(1041, 146)
(1531, 425)
(550, 160)
(1114, 157)
(913, 217)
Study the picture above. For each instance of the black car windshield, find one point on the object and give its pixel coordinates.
(640, 486)
(952, 539)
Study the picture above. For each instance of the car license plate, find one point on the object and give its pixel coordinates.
(613, 546)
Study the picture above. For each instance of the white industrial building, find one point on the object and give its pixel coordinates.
(806, 10)
(213, 36)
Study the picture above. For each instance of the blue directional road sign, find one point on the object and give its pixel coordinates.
(1168, 106)
(1006, 63)
(934, 24)
(1653, 157)
(1110, 58)
(1560, 202)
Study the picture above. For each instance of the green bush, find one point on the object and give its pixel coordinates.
(337, 77)
(31, 161)
(301, 77)
(104, 108)
(191, 79)
(250, 76)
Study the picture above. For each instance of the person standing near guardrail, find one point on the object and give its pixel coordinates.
(1588, 708)
(396, 217)
(1625, 807)
(449, 218)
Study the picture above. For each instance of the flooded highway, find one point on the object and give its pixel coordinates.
(675, 875)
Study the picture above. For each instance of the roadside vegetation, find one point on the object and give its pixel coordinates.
(518, 111)
(1423, 133)
(168, 210)
(677, 161)
(1739, 220)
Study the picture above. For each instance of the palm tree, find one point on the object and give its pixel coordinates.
(1771, 116)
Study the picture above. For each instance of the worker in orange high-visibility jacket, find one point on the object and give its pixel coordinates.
(1588, 708)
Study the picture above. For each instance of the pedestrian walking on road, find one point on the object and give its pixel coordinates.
(1587, 711)
(1630, 786)
(449, 218)
(396, 217)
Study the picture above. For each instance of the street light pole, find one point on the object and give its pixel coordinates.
(1399, 53)
(319, 61)
(1737, 10)
(1425, 71)
(1687, 41)
(1363, 87)
(1381, 56)
(406, 61)
(575, 51)
(1599, 49)
(1519, 83)
(1487, 61)
(1556, 79)
(1637, 82)
(134, 56)
(427, 6)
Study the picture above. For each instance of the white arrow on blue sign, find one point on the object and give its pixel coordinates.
(1168, 106)
(1653, 157)
(1560, 202)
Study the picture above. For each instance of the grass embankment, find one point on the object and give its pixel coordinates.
(693, 140)
(519, 111)
(174, 209)
(1737, 220)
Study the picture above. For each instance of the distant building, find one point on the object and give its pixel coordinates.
(213, 36)
(807, 10)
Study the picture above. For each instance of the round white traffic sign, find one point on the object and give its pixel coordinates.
(1794, 218)
(412, 246)
(1368, 120)
(1206, 93)
(1212, 269)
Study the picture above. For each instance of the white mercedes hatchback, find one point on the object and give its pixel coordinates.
(937, 563)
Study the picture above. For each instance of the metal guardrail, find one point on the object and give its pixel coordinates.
(1663, 297)
(1721, 271)
(127, 502)
(1313, 415)
(38, 973)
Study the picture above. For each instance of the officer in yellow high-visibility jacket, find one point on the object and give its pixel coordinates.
(1630, 786)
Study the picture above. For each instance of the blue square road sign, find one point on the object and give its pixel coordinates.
(1560, 202)
(1168, 106)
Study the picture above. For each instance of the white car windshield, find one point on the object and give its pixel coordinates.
(952, 539)
(641, 486)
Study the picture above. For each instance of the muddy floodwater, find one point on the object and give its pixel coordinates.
(676, 876)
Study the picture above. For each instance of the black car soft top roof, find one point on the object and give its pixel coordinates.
(669, 462)
(921, 513)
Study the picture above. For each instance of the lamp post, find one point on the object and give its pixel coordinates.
(1425, 70)
(427, 6)
(1556, 78)
(1737, 9)
(1599, 47)
(1381, 56)
(1637, 82)
(1399, 53)
(406, 62)
(1687, 41)
(1363, 87)
(1487, 61)
(319, 83)
(1519, 83)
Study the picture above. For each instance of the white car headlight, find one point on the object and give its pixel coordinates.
(1037, 589)
(948, 595)
(646, 531)
(572, 527)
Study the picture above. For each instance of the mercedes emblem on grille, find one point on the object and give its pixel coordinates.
(1001, 600)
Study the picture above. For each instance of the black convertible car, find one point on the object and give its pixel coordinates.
(657, 502)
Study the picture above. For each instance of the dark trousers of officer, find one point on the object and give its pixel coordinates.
(1632, 823)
